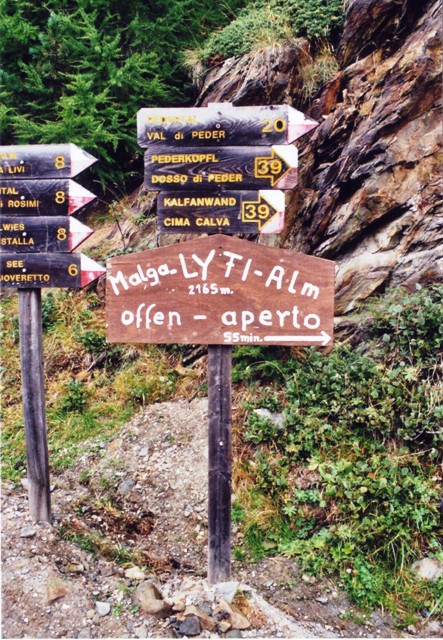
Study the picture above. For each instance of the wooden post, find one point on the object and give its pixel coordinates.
(31, 355)
(219, 476)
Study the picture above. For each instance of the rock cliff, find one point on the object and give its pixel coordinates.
(369, 194)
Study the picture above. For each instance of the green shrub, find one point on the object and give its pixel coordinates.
(353, 476)
(79, 71)
(262, 23)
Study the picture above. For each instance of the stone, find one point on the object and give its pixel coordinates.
(433, 628)
(84, 633)
(428, 569)
(134, 573)
(75, 568)
(141, 631)
(24, 483)
(178, 602)
(238, 620)
(190, 626)
(234, 633)
(206, 622)
(125, 487)
(276, 419)
(56, 589)
(103, 608)
(224, 626)
(227, 590)
(149, 598)
(322, 600)
(28, 532)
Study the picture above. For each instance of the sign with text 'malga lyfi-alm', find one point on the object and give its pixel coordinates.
(220, 290)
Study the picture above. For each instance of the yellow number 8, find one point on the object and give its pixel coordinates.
(60, 197)
(61, 234)
(59, 162)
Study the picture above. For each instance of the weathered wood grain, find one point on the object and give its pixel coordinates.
(219, 472)
(232, 168)
(221, 124)
(220, 290)
(31, 355)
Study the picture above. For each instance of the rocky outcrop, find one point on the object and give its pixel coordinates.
(369, 193)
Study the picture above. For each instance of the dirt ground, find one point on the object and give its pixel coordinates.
(140, 500)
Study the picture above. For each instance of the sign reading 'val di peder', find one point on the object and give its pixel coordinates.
(220, 290)
(222, 124)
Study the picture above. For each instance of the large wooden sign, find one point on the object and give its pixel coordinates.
(43, 161)
(230, 168)
(228, 212)
(221, 124)
(42, 197)
(38, 270)
(220, 290)
(40, 235)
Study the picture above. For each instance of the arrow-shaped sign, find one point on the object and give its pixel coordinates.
(41, 235)
(53, 270)
(42, 197)
(323, 339)
(230, 168)
(221, 124)
(221, 212)
(43, 161)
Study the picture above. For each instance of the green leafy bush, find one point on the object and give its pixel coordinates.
(263, 23)
(352, 479)
(79, 71)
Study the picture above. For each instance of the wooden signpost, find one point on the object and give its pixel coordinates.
(43, 161)
(220, 169)
(220, 290)
(42, 197)
(44, 234)
(234, 212)
(36, 238)
(221, 124)
(228, 167)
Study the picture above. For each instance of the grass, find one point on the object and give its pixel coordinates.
(350, 485)
(92, 388)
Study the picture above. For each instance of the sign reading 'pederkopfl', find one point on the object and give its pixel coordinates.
(220, 290)
(245, 212)
(222, 124)
(230, 168)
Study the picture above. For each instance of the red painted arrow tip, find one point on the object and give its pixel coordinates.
(90, 270)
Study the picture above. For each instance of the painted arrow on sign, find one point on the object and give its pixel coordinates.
(232, 168)
(52, 270)
(42, 197)
(225, 212)
(43, 161)
(44, 234)
(222, 124)
(220, 290)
